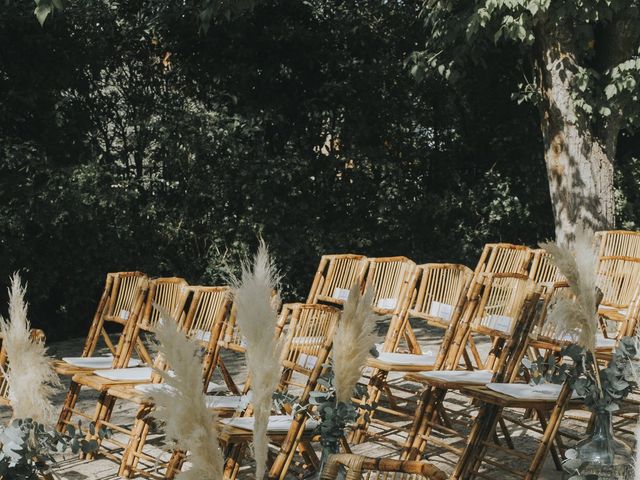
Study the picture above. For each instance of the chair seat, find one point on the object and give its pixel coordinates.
(231, 402)
(404, 362)
(97, 363)
(137, 374)
(545, 392)
(277, 423)
(469, 377)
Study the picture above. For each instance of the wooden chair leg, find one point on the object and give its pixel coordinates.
(69, 403)
(139, 432)
(378, 378)
(228, 379)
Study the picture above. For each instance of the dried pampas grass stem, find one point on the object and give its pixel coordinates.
(32, 381)
(182, 406)
(577, 319)
(353, 342)
(257, 320)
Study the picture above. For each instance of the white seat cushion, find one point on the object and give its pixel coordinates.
(137, 374)
(546, 391)
(425, 359)
(472, 377)
(96, 363)
(151, 388)
(277, 423)
(234, 402)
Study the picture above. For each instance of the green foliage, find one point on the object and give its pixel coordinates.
(146, 144)
(27, 447)
(601, 42)
(617, 379)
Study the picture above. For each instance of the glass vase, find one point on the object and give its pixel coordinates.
(601, 447)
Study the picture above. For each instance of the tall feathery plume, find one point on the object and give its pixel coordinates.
(257, 320)
(31, 379)
(576, 319)
(182, 406)
(353, 342)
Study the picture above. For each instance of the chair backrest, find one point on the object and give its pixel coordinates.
(504, 258)
(335, 276)
(543, 271)
(441, 286)
(165, 292)
(122, 300)
(117, 304)
(311, 328)
(389, 278)
(494, 306)
(618, 243)
(203, 311)
(618, 278)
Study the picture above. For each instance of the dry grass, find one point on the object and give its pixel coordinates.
(182, 407)
(32, 381)
(353, 342)
(577, 319)
(257, 320)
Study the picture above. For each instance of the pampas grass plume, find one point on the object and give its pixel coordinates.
(353, 342)
(577, 319)
(32, 381)
(182, 406)
(257, 320)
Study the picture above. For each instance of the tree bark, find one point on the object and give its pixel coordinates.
(579, 158)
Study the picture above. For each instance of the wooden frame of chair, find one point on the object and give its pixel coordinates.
(521, 306)
(124, 350)
(120, 304)
(335, 276)
(166, 292)
(359, 467)
(305, 359)
(443, 284)
(200, 313)
(491, 415)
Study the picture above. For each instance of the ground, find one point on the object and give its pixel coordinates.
(102, 469)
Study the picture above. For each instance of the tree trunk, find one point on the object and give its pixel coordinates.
(579, 160)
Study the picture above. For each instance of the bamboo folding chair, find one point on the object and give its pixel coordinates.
(200, 313)
(438, 300)
(120, 304)
(167, 293)
(335, 276)
(515, 297)
(37, 336)
(306, 350)
(359, 467)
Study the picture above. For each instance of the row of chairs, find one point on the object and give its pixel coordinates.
(438, 293)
